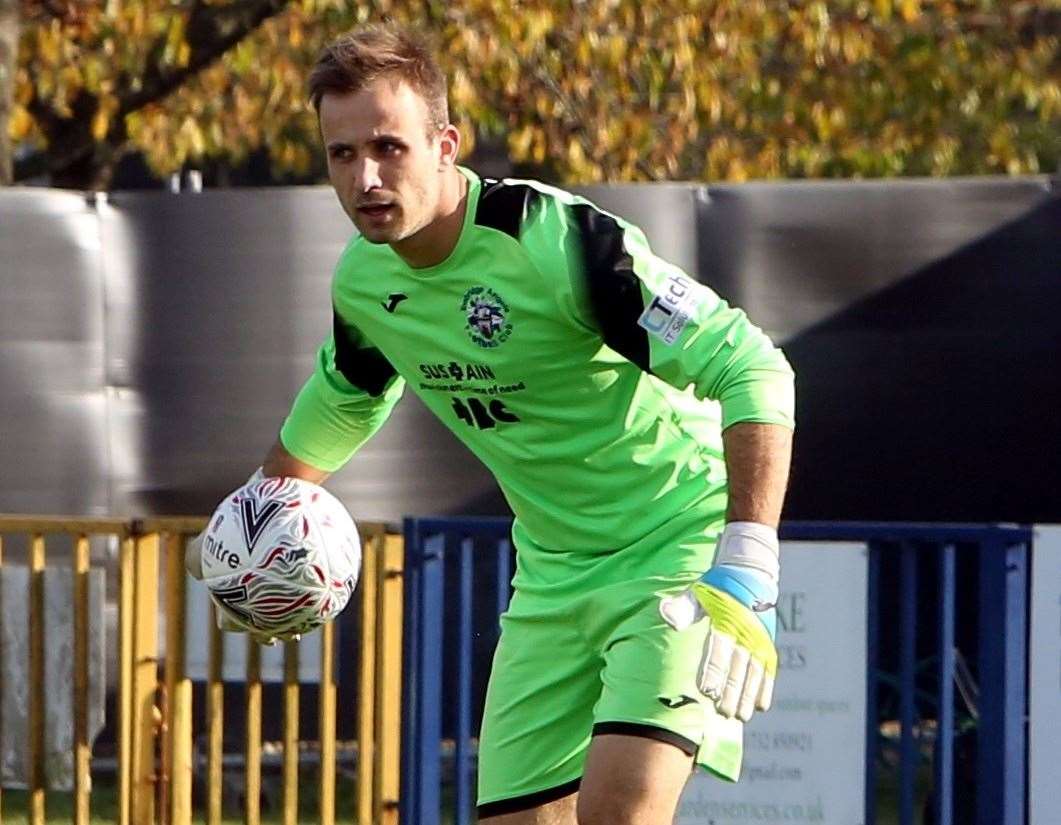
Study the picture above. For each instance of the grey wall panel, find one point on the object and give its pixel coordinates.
(665, 211)
(793, 253)
(151, 344)
(226, 299)
(922, 319)
(53, 444)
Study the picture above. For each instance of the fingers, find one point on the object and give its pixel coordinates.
(733, 687)
(193, 556)
(714, 667)
(729, 676)
(766, 694)
(751, 691)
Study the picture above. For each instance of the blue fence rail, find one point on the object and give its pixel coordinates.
(457, 574)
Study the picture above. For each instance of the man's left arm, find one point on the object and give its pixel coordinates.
(757, 464)
(685, 334)
(665, 322)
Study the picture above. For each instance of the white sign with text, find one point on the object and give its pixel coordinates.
(1044, 688)
(805, 760)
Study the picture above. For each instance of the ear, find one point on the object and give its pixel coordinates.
(449, 144)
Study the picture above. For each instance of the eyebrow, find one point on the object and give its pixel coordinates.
(342, 144)
(387, 139)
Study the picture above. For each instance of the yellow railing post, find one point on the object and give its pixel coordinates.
(291, 701)
(326, 720)
(371, 555)
(388, 696)
(253, 750)
(178, 709)
(215, 718)
(143, 715)
(126, 587)
(82, 747)
(36, 681)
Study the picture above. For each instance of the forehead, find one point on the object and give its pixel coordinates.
(384, 106)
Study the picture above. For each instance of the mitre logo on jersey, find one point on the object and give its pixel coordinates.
(487, 316)
(671, 308)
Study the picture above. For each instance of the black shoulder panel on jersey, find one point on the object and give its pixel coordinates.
(613, 288)
(504, 206)
(366, 369)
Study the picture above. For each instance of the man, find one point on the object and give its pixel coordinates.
(584, 372)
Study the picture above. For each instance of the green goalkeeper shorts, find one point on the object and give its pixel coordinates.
(599, 662)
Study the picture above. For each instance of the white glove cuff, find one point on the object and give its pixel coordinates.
(750, 544)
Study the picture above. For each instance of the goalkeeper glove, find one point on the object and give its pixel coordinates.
(228, 620)
(738, 599)
(193, 550)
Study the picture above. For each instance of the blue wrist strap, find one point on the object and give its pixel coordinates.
(752, 590)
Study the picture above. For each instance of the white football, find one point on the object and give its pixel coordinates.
(281, 555)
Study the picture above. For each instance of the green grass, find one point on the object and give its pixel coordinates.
(103, 806)
(104, 801)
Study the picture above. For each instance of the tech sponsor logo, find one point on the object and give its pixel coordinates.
(671, 308)
(486, 316)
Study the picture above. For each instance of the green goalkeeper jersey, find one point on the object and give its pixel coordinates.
(591, 377)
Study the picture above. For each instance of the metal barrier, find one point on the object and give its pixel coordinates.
(155, 709)
(441, 581)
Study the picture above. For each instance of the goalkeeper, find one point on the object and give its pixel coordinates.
(639, 427)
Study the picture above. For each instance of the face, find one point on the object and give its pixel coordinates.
(384, 159)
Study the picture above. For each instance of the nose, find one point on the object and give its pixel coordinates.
(368, 175)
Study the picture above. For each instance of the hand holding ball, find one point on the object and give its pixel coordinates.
(280, 557)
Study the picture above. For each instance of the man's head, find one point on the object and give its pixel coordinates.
(381, 100)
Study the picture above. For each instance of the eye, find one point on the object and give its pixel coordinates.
(389, 147)
(341, 153)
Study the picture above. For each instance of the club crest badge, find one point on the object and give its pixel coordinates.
(486, 315)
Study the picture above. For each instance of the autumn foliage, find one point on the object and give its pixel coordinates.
(588, 90)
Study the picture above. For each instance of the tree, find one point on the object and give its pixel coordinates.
(8, 54)
(584, 90)
(95, 66)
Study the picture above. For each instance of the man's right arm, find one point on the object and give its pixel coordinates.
(349, 396)
(279, 462)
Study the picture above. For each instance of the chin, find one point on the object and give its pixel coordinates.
(377, 234)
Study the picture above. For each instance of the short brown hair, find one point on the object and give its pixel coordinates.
(359, 57)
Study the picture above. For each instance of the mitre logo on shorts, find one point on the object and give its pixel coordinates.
(486, 314)
(671, 308)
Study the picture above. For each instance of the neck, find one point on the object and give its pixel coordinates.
(436, 241)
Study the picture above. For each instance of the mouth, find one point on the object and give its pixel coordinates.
(375, 210)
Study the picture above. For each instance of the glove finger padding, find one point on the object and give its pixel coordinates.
(766, 693)
(733, 687)
(740, 660)
(715, 665)
(752, 690)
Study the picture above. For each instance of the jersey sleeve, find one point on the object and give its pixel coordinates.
(349, 396)
(655, 315)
